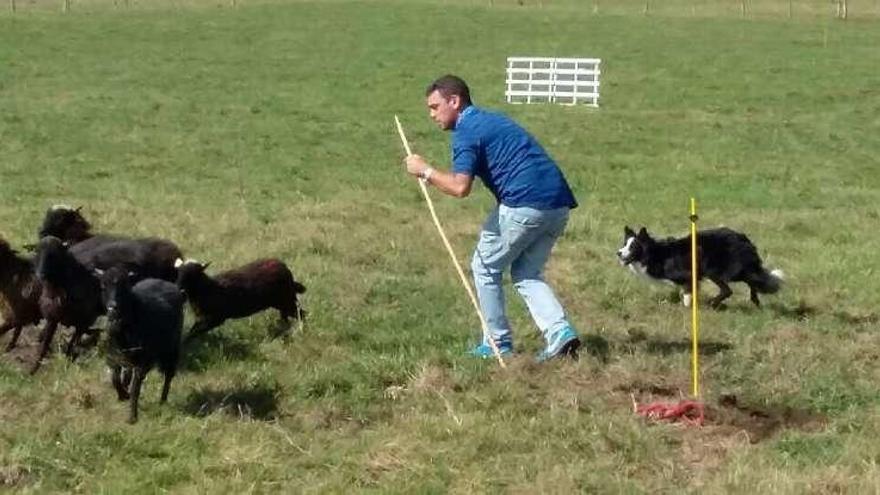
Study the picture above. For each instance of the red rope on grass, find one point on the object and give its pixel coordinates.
(687, 411)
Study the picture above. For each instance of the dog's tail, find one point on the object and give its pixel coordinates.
(768, 282)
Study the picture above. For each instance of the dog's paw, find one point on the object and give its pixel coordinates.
(686, 300)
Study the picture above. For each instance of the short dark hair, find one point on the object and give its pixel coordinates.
(449, 85)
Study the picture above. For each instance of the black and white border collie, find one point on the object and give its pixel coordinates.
(723, 256)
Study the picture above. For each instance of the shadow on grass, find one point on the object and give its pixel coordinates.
(596, 347)
(762, 423)
(801, 311)
(666, 347)
(857, 319)
(199, 354)
(260, 402)
(654, 345)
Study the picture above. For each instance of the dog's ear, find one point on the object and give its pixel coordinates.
(628, 232)
(643, 233)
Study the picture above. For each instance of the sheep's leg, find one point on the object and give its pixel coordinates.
(169, 375)
(201, 327)
(74, 341)
(753, 295)
(292, 311)
(284, 321)
(126, 377)
(116, 378)
(284, 315)
(134, 391)
(48, 334)
(14, 340)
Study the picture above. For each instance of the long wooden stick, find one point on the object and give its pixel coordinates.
(464, 281)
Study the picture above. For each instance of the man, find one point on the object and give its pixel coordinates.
(533, 198)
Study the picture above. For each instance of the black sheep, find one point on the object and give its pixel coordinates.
(144, 327)
(65, 223)
(19, 291)
(237, 293)
(150, 256)
(71, 295)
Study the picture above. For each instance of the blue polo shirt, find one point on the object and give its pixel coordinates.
(508, 160)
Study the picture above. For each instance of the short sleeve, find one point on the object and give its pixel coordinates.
(464, 157)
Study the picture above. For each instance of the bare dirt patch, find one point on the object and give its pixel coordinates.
(22, 356)
(13, 475)
(732, 414)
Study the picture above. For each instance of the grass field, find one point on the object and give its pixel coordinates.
(267, 130)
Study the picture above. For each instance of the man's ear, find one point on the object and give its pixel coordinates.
(455, 101)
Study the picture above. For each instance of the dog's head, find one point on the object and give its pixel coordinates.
(635, 246)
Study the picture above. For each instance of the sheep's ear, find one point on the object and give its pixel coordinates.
(77, 209)
(206, 265)
(178, 263)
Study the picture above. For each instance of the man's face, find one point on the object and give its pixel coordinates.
(444, 111)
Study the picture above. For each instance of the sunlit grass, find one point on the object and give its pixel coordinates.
(267, 130)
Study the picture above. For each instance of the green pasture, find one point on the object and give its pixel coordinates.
(249, 129)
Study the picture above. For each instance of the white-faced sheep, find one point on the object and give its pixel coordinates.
(144, 328)
(237, 293)
(19, 293)
(150, 256)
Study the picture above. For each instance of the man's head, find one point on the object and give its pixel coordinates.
(446, 98)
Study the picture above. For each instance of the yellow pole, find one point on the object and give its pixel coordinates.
(695, 303)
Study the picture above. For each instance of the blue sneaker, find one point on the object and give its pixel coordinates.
(505, 348)
(564, 342)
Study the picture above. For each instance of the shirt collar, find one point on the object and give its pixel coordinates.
(464, 113)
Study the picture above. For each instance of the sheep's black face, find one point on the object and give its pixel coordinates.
(65, 223)
(189, 272)
(51, 258)
(115, 283)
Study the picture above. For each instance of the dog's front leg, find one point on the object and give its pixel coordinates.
(686, 296)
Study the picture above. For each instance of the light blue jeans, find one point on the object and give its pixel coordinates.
(521, 239)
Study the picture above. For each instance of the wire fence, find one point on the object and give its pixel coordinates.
(749, 9)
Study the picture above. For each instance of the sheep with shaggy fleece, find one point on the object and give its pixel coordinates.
(71, 295)
(150, 256)
(144, 323)
(261, 284)
(20, 291)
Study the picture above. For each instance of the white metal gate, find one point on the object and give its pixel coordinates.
(567, 81)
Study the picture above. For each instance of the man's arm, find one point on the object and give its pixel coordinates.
(453, 184)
